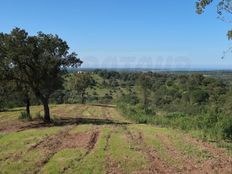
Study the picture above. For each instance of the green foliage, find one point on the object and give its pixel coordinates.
(225, 127)
(2, 99)
(214, 127)
(199, 96)
(58, 96)
(190, 94)
(200, 6)
(135, 113)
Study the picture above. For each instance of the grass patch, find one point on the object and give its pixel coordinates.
(152, 141)
(127, 157)
(188, 149)
(15, 156)
(62, 161)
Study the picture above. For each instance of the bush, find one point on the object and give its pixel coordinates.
(214, 126)
(135, 113)
(24, 116)
(225, 127)
(199, 96)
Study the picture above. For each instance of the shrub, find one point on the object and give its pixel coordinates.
(136, 113)
(214, 126)
(24, 116)
(199, 96)
(225, 127)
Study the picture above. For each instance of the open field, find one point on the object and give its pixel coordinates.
(97, 139)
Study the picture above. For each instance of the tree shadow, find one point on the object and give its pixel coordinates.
(69, 121)
(103, 105)
(65, 121)
(12, 110)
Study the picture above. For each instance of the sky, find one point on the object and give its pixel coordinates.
(127, 33)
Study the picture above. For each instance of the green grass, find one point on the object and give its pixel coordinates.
(15, 155)
(187, 148)
(62, 161)
(171, 145)
(117, 147)
(154, 143)
(127, 157)
(13, 114)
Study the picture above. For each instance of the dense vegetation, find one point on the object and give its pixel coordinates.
(188, 102)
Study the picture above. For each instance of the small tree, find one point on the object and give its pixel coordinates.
(36, 61)
(144, 84)
(80, 82)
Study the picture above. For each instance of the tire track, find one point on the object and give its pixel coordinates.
(91, 144)
(50, 145)
(111, 165)
(156, 164)
(53, 144)
(107, 140)
(188, 164)
(219, 162)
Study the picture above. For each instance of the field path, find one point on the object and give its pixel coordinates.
(97, 139)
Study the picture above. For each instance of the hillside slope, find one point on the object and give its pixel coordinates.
(97, 139)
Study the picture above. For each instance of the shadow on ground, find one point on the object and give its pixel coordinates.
(103, 105)
(12, 110)
(94, 121)
(71, 121)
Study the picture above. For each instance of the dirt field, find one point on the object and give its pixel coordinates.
(97, 139)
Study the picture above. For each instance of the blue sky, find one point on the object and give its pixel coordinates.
(127, 33)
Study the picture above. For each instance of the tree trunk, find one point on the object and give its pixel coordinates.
(145, 102)
(82, 98)
(46, 111)
(28, 106)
